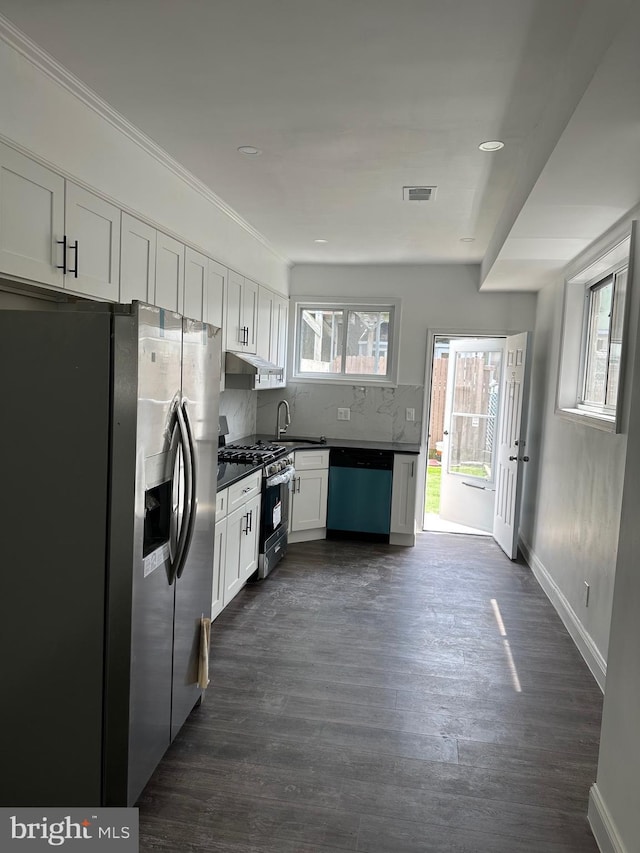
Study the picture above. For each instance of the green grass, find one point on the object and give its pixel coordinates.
(434, 473)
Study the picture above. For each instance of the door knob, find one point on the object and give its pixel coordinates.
(512, 458)
(446, 432)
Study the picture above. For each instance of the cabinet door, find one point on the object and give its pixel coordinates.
(219, 556)
(196, 272)
(250, 314)
(279, 340)
(214, 301)
(233, 581)
(249, 539)
(234, 333)
(403, 493)
(31, 219)
(169, 290)
(265, 330)
(93, 266)
(309, 500)
(137, 260)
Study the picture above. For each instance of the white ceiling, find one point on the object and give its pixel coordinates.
(350, 100)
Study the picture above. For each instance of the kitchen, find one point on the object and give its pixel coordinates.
(105, 154)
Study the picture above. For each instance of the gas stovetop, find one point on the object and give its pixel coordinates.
(251, 453)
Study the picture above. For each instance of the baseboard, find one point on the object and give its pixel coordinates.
(407, 539)
(574, 626)
(602, 825)
(307, 535)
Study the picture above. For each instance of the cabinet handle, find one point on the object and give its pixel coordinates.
(63, 265)
(250, 522)
(246, 489)
(412, 464)
(298, 485)
(246, 336)
(75, 249)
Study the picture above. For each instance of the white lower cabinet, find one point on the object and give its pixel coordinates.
(309, 489)
(241, 558)
(219, 553)
(403, 499)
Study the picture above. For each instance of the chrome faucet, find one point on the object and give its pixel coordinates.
(287, 419)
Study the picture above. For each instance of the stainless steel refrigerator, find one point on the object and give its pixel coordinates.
(107, 509)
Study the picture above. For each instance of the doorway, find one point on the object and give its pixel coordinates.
(463, 420)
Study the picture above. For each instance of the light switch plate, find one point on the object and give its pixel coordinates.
(344, 414)
(411, 414)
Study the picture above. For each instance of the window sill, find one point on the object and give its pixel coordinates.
(606, 423)
(349, 380)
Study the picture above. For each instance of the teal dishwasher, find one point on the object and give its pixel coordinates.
(359, 503)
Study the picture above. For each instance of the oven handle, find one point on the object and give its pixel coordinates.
(285, 476)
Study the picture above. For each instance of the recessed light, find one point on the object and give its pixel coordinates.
(491, 145)
(320, 240)
(467, 239)
(250, 150)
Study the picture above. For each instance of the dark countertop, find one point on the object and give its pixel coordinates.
(230, 472)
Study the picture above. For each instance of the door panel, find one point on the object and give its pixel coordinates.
(511, 451)
(471, 415)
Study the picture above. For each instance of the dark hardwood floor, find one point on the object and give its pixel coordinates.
(387, 700)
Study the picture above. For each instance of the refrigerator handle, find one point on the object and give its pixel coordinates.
(174, 532)
(183, 536)
(191, 489)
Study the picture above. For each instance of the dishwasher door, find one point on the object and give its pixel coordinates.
(360, 493)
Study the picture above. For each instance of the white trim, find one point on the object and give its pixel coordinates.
(605, 423)
(583, 640)
(602, 824)
(27, 48)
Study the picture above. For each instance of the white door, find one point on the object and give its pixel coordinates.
(510, 450)
(470, 421)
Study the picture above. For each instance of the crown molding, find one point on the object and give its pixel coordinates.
(31, 51)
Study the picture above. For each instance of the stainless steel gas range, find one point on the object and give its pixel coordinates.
(276, 462)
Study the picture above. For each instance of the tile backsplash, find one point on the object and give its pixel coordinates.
(376, 413)
(240, 410)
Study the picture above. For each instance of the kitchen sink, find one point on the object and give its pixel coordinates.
(290, 441)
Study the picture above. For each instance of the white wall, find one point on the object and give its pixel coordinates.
(443, 297)
(47, 120)
(440, 297)
(572, 495)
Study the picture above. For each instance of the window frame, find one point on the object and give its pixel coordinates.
(337, 304)
(613, 264)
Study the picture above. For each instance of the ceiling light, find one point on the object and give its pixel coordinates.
(320, 240)
(491, 145)
(467, 239)
(250, 150)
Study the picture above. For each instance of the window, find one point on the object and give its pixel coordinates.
(592, 349)
(602, 343)
(346, 342)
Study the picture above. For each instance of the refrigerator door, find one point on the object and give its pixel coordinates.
(147, 381)
(200, 395)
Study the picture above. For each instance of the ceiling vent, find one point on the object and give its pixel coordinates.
(419, 193)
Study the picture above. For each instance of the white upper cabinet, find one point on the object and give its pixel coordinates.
(279, 339)
(273, 315)
(92, 227)
(169, 289)
(241, 314)
(31, 219)
(214, 303)
(196, 273)
(137, 260)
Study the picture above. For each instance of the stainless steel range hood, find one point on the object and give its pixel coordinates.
(246, 370)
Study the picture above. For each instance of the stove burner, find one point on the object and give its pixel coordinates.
(251, 453)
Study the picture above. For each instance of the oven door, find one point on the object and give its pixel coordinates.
(274, 521)
(275, 503)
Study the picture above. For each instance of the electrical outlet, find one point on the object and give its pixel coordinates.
(344, 414)
(586, 593)
(411, 414)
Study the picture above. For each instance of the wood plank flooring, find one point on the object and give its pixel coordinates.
(385, 700)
